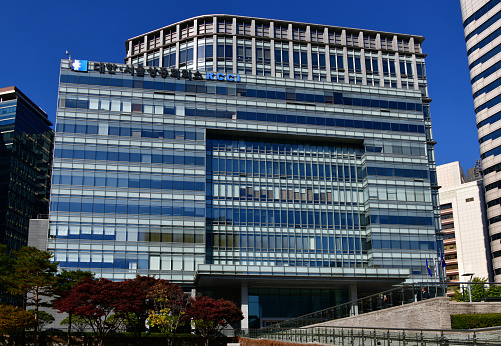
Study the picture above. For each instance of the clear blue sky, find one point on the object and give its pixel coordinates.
(36, 34)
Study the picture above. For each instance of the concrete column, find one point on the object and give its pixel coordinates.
(353, 296)
(244, 298)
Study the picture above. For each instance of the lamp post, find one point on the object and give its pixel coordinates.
(469, 281)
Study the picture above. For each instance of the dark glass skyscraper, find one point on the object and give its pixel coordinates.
(26, 142)
(287, 166)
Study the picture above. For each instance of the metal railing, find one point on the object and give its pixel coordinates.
(379, 336)
(397, 296)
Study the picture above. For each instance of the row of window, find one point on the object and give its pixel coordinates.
(309, 120)
(124, 180)
(480, 29)
(282, 218)
(282, 193)
(487, 72)
(127, 206)
(241, 90)
(291, 218)
(274, 117)
(489, 104)
(288, 147)
(129, 155)
(489, 87)
(491, 37)
(284, 169)
(142, 235)
(481, 12)
(133, 130)
(490, 120)
(486, 56)
(493, 152)
(287, 243)
(312, 170)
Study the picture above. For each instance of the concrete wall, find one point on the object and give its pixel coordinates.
(431, 313)
(456, 308)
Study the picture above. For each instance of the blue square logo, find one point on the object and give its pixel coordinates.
(79, 65)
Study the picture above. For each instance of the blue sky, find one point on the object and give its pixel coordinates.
(36, 34)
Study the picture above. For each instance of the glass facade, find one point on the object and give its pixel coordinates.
(26, 141)
(226, 184)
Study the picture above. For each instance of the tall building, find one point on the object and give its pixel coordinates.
(463, 215)
(26, 142)
(287, 166)
(474, 173)
(482, 27)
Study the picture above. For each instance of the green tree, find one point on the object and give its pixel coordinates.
(479, 291)
(44, 318)
(6, 262)
(13, 319)
(33, 275)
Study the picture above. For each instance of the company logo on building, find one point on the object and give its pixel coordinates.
(79, 65)
(221, 76)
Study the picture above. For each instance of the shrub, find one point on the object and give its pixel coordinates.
(470, 321)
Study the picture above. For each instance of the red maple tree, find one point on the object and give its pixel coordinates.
(95, 301)
(210, 315)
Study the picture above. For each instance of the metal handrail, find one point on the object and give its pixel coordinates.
(356, 306)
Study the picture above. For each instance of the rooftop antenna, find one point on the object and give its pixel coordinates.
(68, 54)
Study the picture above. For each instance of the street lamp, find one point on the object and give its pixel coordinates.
(469, 285)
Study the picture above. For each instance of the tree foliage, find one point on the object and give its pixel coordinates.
(14, 319)
(479, 291)
(94, 301)
(210, 315)
(170, 307)
(32, 275)
(134, 306)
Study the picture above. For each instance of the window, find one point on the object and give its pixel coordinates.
(205, 27)
(262, 30)
(298, 34)
(281, 32)
(370, 42)
(335, 37)
(446, 206)
(387, 43)
(244, 28)
(469, 199)
(352, 40)
(170, 36)
(224, 27)
(317, 35)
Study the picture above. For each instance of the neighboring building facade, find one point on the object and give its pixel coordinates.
(482, 27)
(466, 234)
(26, 142)
(474, 173)
(297, 176)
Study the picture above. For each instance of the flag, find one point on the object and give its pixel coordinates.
(442, 259)
(428, 268)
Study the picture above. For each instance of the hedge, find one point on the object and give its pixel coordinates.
(470, 321)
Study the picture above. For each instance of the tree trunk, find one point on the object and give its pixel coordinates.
(69, 328)
(35, 334)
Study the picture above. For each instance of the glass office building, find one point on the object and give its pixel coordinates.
(482, 30)
(26, 142)
(287, 166)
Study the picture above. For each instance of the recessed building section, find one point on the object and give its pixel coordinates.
(209, 172)
(26, 142)
(482, 23)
